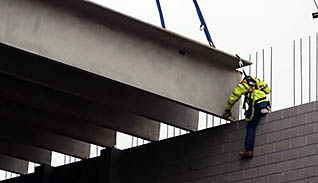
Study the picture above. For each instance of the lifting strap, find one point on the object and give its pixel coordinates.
(161, 15)
(203, 24)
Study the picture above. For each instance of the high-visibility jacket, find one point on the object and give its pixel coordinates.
(257, 95)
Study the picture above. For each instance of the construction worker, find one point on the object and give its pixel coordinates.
(255, 91)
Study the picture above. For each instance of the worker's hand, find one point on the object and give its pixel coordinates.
(227, 114)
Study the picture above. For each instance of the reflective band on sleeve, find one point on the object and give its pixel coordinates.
(245, 86)
(238, 96)
(230, 103)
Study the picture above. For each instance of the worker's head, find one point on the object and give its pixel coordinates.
(249, 80)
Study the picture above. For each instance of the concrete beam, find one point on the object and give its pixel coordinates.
(13, 165)
(25, 152)
(13, 132)
(76, 108)
(62, 125)
(106, 92)
(118, 47)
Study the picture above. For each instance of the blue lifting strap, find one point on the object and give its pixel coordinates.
(203, 24)
(161, 15)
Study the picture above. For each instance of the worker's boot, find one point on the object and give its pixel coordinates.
(246, 153)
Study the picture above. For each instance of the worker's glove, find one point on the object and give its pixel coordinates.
(227, 114)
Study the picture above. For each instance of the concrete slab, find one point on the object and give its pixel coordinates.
(17, 133)
(25, 152)
(100, 91)
(76, 108)
(13, 165)
(118, 47)
(58, 124)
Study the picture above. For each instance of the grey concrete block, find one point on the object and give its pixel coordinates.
(267, 148)
(297, 120)
(259, 140)
(251, 173)
(257, 161)
(273, 158)
(307, 150)
(277, 115)
(266, 128)
(306, 108)
(275, 178)
(236, 176)
(281, 145)
(264, 119)
(297, 174)
(311, 117)
(289, 112)
(298, 142)
(298, 131)
(282, 124)
(311, 180)
(290, 154)
(312, 139)
(274, 137)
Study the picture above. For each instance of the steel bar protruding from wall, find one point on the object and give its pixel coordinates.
(294, 70)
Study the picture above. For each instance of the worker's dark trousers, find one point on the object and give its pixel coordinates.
(251, 127)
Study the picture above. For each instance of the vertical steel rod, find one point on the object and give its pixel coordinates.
(271, 76)
(263, 65)
(174, 133)
(132, 141)
(316, 66)
(206, 120)
(64, 159)
(256, 64)
(301, 71)
(167, 131)
(249, 67)
(309, 69)
(212, 121)
(294, 71)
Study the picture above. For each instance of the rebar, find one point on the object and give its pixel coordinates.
(301, 71)
(309, 57)
(294, 70)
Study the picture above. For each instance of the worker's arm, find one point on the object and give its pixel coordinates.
(263, 86)
(241, 89)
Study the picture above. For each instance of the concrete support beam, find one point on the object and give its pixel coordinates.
(58, 124)
(117, 47)
(25, 152)
(17, 133)
(106, 92)
(13, 165)
(76, 108)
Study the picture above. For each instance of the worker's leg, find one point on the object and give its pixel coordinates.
(250, 130)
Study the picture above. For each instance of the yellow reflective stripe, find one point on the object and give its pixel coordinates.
(245, 86)
(229, 103)
(238, 96)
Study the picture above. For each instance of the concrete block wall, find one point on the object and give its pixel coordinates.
(286, 149)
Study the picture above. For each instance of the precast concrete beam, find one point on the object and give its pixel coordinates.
(13, 165)
(13, 132)
(76, 108)
(102, 91)
(118, 47)
(25, 152)
(58, 124)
